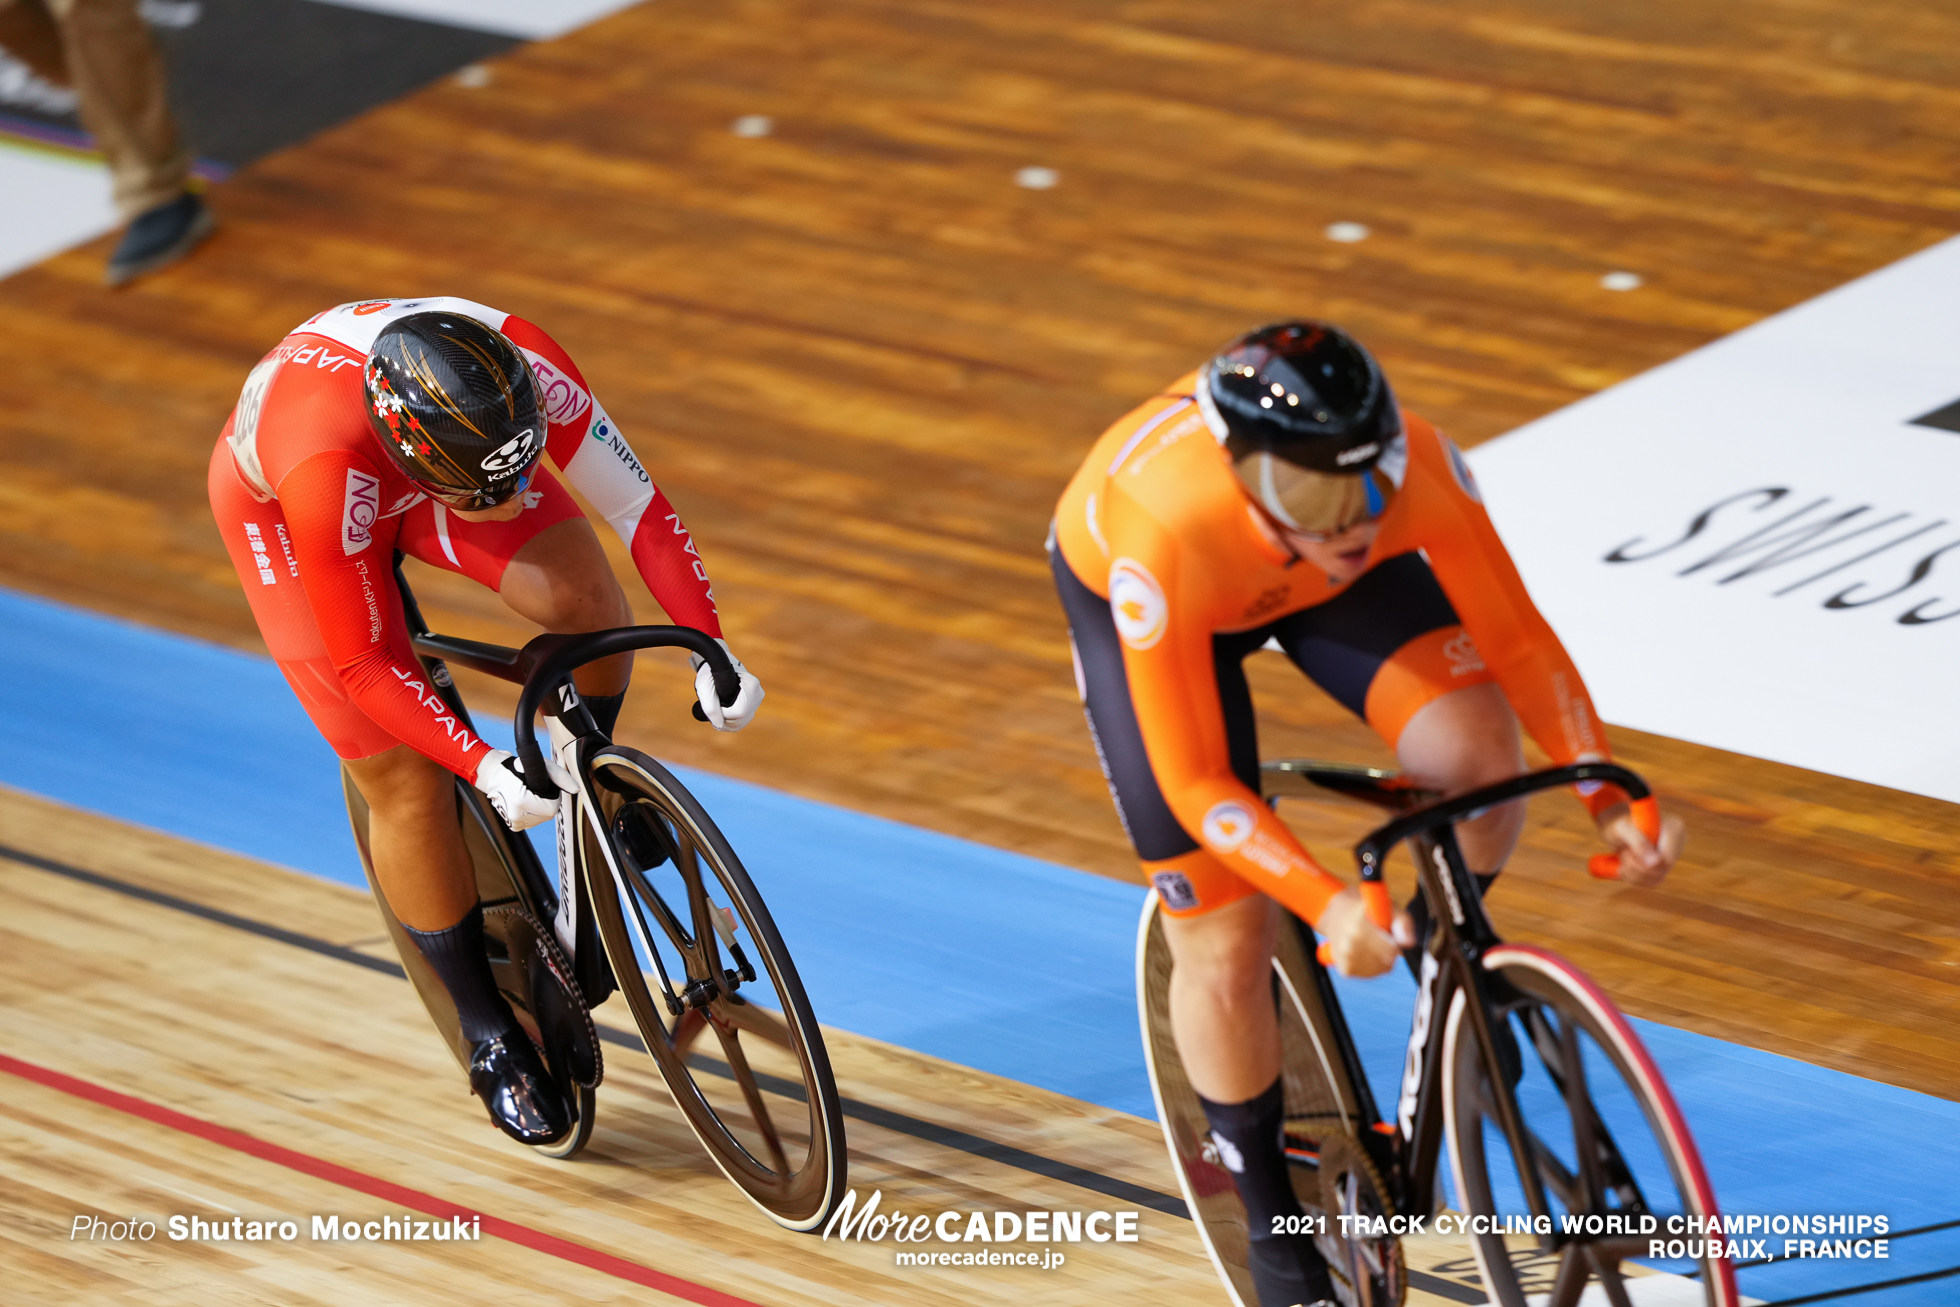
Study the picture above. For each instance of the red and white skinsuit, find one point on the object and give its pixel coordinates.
(311, 509)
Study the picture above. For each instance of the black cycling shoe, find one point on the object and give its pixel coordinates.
(1288, 1271)
(524, 1101)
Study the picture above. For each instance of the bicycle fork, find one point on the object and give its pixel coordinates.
(571, 731)
(1456, 954)
(1449, 967)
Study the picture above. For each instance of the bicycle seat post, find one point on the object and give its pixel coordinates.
(1466, 933)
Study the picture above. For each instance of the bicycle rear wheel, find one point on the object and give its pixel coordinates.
(1605, 1138)
(673, 904)
(1331, 1172)
(524, 961)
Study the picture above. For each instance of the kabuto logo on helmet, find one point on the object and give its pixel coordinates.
(456, 407)
(511, 456)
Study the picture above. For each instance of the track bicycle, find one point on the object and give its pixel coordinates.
(1566, 1149)
(650, 901)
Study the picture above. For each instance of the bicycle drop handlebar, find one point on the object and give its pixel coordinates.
(546, 662)
(1372, 851)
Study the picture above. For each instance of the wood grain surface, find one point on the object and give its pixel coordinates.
(339, 1063)
(862, 361)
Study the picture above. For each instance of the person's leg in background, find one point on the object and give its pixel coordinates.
(28, 33)
(103, 49)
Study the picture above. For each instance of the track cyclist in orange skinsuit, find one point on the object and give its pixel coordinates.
(1279, 494)
(422, 425)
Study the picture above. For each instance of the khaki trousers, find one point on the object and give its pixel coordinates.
(102, 49)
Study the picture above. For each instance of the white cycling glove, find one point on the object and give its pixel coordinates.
(736, 715)
(501, 778)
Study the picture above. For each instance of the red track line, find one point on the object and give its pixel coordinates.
(348, 1178)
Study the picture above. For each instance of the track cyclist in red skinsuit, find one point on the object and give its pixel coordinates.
(1279, 495)
(423, 425)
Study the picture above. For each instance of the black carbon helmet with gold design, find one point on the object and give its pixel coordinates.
(455, 405)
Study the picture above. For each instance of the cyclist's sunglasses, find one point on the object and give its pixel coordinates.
(471, 501)
(1317, 506)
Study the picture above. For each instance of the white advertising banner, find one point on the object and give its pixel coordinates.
(1757, 545)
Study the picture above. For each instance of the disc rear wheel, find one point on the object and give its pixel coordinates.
(524, 962)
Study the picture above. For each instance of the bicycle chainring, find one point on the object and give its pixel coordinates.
(539, 986)
(1366, 1263)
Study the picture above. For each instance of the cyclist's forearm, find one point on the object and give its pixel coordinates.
(664, 554)
(1552, 703)
(400, 699)
(1234, 825)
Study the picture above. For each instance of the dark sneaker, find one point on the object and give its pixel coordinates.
(1288, 1271)
(524, 1101)
(160, 237)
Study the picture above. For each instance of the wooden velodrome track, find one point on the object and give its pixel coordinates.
(862, 363)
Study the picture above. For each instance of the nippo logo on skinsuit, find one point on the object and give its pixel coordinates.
(1228, 825)
(1136, 601)
(358, 511)
(511, 455)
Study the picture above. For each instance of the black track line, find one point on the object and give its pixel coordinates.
(945, 1136)
(883, 1117)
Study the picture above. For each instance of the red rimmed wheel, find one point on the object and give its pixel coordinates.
(1605, 1138)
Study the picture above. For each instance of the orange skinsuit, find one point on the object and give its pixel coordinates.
(1157, 515)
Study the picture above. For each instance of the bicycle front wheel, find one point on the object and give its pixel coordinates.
(713, 990)
(1603, 1137)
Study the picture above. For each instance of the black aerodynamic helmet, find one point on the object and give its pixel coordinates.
(455, 405)
(1309, 421)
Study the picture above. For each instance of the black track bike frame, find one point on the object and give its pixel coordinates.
(1407, 1150)
(544, 666)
